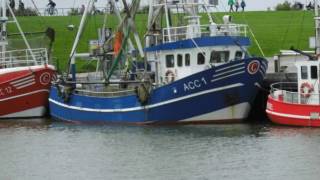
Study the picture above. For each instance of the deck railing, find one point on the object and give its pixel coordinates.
(190, 3)
(288, 92)
(25, 57)
(193, 31)
(99, 91)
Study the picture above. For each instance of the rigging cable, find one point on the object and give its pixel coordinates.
(70, 27)
(301, 29)
(71, 15)
(253, 35)
(42, 20)
(287, 30)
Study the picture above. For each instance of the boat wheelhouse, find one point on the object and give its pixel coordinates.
(187, 47)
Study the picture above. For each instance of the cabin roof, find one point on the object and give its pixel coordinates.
(202, 42)
(307, 63)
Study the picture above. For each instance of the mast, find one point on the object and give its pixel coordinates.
(317, 27)
(167, 20)
(4, 19)
(71, 63)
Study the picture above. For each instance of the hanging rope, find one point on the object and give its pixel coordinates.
(284, 39)
(301, 29)
(253, 35)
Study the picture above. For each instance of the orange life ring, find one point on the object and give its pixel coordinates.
(306, 89)
(169, 76)
(117, 43)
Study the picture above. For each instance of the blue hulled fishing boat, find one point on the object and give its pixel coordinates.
(191, 73)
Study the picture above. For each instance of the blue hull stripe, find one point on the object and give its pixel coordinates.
(149, 106)
(227, 72)
(225, 77)
(230, 67)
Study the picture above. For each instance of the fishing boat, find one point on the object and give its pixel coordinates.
(190, 73)
(298, 103)
(25, 74)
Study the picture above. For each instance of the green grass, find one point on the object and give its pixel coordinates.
(273, 30)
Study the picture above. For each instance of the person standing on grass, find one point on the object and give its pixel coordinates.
(231, 3)
(237, 5)
(82, 9)
(21, 6)
(12, 4)
(243, 5)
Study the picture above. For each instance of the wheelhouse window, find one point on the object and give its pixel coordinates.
(314, 72)
(187, 59)
(219, 56)
(201, 58)
(169, 61)
(180, 60)
(238, 55)
(304, 72)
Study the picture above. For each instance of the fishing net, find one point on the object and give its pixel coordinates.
(18, 54)
(35, 39)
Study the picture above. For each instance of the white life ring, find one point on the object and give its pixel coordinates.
(306, 89)
(169, 76)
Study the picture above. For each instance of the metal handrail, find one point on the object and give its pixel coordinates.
(288, 93)
(105, 93)
(180, 33)
(22, 57)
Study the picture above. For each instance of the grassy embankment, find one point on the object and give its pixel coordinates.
(273, 30)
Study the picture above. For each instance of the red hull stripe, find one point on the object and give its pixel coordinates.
(27, 94)
(22, 80)
(26, 85)
(287, 115)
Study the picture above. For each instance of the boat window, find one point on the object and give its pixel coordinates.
(238, 55)
(304, 72)
(187, 60)
(219, 56)
(169, 61)
(314, 72)
(180, 60)
(201, 58)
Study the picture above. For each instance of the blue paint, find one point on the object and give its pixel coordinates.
(202, 42)
(73, 72)
(169, 112)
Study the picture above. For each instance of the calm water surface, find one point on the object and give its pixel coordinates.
(38, 149)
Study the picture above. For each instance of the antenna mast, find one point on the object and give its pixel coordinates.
(317, 26)
(3, 21)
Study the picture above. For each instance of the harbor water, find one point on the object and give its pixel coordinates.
(40, 149)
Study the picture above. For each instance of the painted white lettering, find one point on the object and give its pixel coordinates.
(186, 88)
(8, 90)
(197, 83)
(204, 81)
(191, 85)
